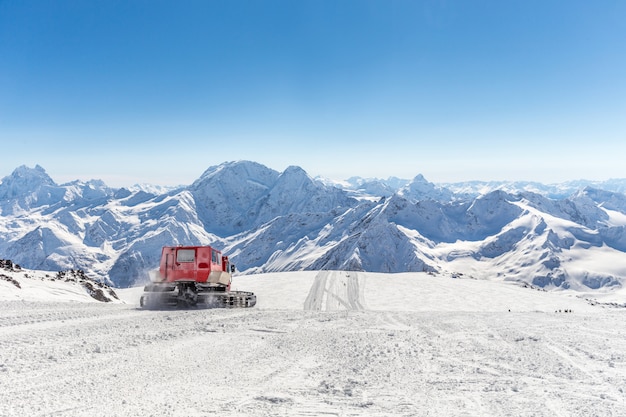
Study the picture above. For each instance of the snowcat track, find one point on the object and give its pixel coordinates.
(232, 299)
(168, 299)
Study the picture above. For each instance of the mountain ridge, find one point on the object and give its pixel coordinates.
(270, 221)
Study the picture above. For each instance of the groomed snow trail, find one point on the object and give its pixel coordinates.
(84, 359)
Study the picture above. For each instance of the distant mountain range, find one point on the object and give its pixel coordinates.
(569, 235)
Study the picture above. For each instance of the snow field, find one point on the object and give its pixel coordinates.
(319, 343)
(101, 360)
(341, 290)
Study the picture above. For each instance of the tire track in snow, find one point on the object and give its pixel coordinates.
(315, 297)
(355, 291)
(336, 290)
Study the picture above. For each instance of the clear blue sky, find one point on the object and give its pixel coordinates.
(157, 91)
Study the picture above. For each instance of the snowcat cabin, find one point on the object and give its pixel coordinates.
(201, 264)
(194, 275)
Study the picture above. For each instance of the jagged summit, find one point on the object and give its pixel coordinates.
(24, 180)
(228, 171)
(420, 189)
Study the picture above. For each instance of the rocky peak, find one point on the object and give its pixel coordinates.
(24, 181)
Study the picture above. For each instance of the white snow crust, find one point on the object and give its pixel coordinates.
(320, 343)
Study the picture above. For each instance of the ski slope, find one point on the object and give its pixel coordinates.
(318, 343)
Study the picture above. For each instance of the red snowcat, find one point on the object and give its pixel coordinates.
(194, 275)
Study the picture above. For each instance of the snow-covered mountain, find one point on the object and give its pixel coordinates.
(557, 191)
(375, 187)
(270, 221)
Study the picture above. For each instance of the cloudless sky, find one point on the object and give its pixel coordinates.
(157, 91)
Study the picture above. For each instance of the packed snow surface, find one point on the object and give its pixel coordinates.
(318, 343)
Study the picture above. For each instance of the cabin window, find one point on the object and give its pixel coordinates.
(185, 255)
(215, 257)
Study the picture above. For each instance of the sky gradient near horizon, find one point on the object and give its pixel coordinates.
(157, 91)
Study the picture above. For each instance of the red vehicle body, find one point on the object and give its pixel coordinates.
(201, 264)
(191, 275)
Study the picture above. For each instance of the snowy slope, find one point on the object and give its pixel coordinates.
(17, 283)
(320, 343)
(361, 291)
(327, 291)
